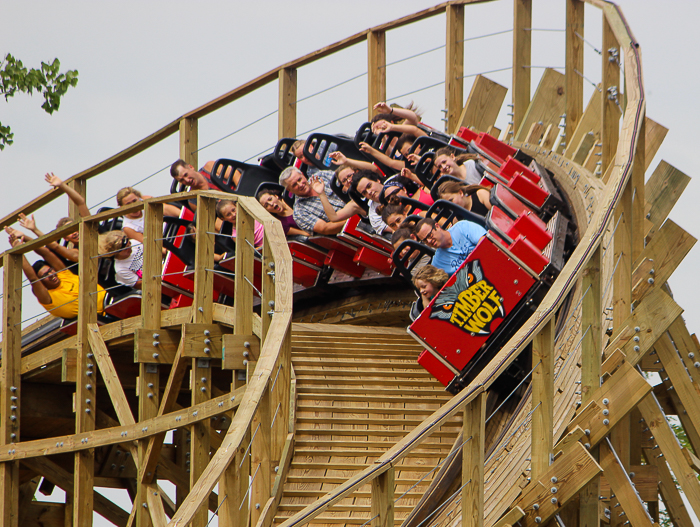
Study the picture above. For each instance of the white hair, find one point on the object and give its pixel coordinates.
(286, 174)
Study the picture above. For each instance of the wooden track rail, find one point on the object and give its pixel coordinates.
(328, 424)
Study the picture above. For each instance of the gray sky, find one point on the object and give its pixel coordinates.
(143, 64)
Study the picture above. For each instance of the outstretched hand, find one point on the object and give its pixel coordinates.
(27, 221)
(413, 158)
(366, 148)
(381, 127)
(382, 107)
(53, 179)
(338, 158)
(317, 185)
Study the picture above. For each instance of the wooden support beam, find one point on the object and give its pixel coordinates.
(10, 384)
(80, 186)
(85, 386)
(454, 65)
(483, 104)
(572, 470)
(653, 137)
(522, 60)
(189, 141)
(610, 84)
(660, 258)
(673, 501)
(638, 200)
(547, 104)
(155, 506)
(574, 66)
(376, 70)
(260, 458)
(589, 122)
(621, 485)
(63, 479)
(383, 499)
(592, 343)
(662, 190)
(671, 450)
(542, 399)
(473, 432)
(287, 115)
(510, 518)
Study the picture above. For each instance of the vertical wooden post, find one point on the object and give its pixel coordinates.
(376, 69)
(638, 195)
(287, 114)
(473, 434)
(522, 56)
(189, 142)
(10, 393)
(574, 66)
(383, 499)
(454, 65)
(610, 80)
(85, 386)
(201, 368)
(148, 382)
(591, 354)
(260, 466)
(243, 293)
(542, 399)
(80, 186)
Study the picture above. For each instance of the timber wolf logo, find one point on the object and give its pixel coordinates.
(471, 303)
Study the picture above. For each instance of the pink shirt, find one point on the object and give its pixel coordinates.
(258, 234)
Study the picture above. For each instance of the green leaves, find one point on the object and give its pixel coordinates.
(48, 80)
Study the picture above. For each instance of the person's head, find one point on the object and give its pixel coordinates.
(394, 215)
(226, 210)
(127, 196)
(295, 182)
(46, 274)
(429, 280)
(344, 176)
(432, 235)
(114, 244)
(395, 188)
(186, 174)
(400, 235)
(73, 237)
(445, 161)
(271, 200)
(404, 143)
(368, 184)
(458, 193)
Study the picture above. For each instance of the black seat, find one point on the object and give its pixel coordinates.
(427, 143)
(414, 203)
(412, 257)
(448, 211)
(381, 142)
(270, 163)
(251, 176)
(283, 156)
(318, 147)
(337, 189)
(440, 180)
(113, 224)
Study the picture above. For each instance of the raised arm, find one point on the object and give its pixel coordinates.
(341, 159)
(396, 164)
(349, 210)
(64, 252)
(75, 197)
(50, 257)
(38, 289)
(328, 227)
(386, 126)
(409, 115)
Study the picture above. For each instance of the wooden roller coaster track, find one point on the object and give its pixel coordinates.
(282, 423)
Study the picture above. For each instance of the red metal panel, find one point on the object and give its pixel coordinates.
(473, 304)
(528, 190)
(494, 146)
(436, 368)
(374, 260)
(512, 166)
(344, 263)
(533, 228)
(467, 134)
(530, 255)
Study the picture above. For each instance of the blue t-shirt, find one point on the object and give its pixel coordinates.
(465, 236)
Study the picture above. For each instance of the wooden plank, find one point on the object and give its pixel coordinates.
(542, 400)
(155, 506)
(583, 147)
(645, 479)
(662, 190)
(155, 346)
(574, 66)
(483, 104)
(202, 341)
(535, 133)
(673, 501)
(260, 455)
(510, 518)
(69, 365)
(547, 104)
(287, 109)
(621, 484)
(653, 317)
(653, 137)
(666, 251)
(473, 452)
(522, 60)
(572, 471)
(237, 350)
(109, 376)
(63, 479)
(189, 140)
(592, 343)
(376, 70)
(668, 444)
(10, 384)
(589, 123)
(382, 509)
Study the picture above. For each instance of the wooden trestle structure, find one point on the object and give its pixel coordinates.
(331, 424)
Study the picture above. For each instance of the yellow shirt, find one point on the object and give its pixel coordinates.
(64, 299)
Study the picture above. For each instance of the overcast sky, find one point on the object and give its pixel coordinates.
(143, 64)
